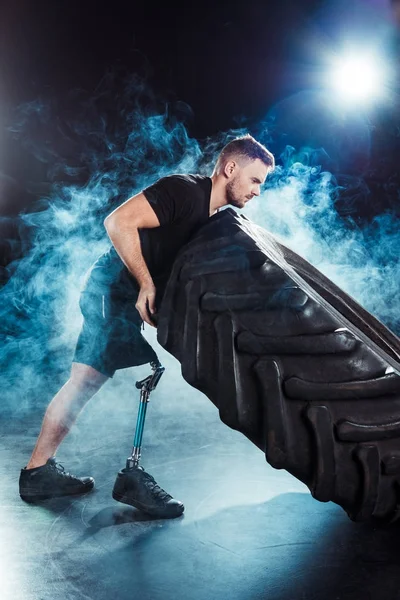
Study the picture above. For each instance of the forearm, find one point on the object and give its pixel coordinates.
(126, 242)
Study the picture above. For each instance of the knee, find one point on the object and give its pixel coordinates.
(86, 378)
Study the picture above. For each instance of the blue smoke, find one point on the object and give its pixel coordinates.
(111, 148)
(300, 208)
(63, 232)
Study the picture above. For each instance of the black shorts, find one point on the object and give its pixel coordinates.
(111, 337)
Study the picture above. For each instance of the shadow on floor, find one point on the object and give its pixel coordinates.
(287, 548)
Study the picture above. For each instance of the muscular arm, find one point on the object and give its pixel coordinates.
(122, 226)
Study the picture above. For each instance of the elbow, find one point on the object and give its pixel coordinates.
(110, 223)
(115, 225)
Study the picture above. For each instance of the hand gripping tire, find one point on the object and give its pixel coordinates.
(289, 360)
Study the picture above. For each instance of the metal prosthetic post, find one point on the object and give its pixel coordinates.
(145, 386)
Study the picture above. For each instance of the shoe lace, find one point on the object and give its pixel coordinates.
(60, 470)
(155, 488)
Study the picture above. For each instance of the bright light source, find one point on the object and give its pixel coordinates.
(358, 78)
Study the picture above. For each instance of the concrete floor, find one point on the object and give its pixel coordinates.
(249, 532)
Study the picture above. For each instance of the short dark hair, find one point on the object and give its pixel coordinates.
(247, 147)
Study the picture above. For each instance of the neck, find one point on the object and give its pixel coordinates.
(218, 194)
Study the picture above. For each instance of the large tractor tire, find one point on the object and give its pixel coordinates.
(289, 360)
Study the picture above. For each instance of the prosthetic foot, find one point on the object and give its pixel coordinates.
(133, 485)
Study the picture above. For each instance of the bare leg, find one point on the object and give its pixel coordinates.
(63, 411)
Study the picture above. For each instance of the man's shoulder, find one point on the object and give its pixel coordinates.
(184, 179)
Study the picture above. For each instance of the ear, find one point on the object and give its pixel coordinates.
(230, 168)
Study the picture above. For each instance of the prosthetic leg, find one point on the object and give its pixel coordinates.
(133, 484)
(146, 386)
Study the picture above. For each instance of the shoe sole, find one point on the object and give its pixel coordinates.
(143, 508)
(31, 499)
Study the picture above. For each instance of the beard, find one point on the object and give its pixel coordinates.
(232, 194)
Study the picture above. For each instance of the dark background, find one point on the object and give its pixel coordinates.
(223, 59)
(213, 66)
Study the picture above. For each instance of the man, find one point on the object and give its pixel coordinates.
(122, 291)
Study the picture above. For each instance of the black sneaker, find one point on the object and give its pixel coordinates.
(136, 487)
(51, 481)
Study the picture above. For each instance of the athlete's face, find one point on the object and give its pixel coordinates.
(245, 182)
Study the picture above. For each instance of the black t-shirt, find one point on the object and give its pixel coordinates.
(182, 206)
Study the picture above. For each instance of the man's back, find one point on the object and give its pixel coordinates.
(182, 204)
